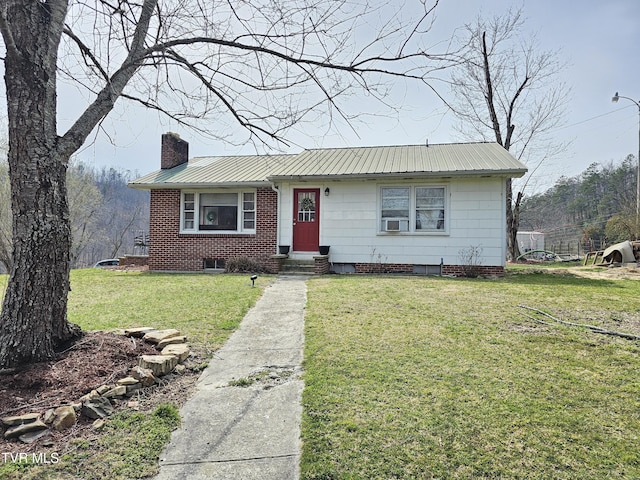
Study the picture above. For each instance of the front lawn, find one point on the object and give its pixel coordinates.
(406, 377)
(205, 308)
(423, 377)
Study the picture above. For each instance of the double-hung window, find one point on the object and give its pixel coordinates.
(413, 208)
(396, 209)
(215, 212)
(429, 202)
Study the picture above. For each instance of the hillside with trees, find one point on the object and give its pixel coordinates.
(105, 215)
(596, 208)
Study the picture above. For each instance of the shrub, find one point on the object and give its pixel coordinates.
(471, 260)
(242, 265)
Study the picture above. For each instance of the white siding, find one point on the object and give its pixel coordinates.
(350, 218)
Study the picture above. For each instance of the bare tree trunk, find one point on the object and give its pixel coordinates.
(513, 222)
(33, 322)
(513, 217)
(5, 219)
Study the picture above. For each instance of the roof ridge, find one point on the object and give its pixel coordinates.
(398, 146)
(257, 155)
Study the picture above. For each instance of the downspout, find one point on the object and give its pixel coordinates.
(275, 188)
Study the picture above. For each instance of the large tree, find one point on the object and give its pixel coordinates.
(508, 89)
(263, 64)
(5, 211)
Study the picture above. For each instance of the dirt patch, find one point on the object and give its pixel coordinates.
(619, 272)
(609, 273)
(98, 358)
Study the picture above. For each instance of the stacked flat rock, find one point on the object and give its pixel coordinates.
(98, 404)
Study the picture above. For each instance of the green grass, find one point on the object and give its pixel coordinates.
(128, 448)
(138, 456)
(205, 308)
(406, 377)
(443, 378)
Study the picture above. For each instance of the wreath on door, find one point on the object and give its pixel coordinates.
(307, 203)
(212, 217)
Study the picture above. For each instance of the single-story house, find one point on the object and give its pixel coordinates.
(407, 209)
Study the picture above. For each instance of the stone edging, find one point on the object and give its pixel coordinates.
(97, 404)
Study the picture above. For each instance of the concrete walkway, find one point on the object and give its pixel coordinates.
(247, 432)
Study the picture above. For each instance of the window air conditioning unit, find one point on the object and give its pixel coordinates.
(392, 225)
(396, 225)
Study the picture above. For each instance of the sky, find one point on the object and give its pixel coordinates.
(598, 40)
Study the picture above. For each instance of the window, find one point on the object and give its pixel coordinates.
(307, 206)
(248, 211)
(395, 209)
(213, 263)
(418, 209)
(429, 209)
(219, 212)
(188, 211)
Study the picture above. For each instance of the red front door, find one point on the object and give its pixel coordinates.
(306, 219)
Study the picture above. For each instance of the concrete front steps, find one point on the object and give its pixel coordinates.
(298, 266)
(302, 263)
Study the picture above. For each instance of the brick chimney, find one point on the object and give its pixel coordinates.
(174, 152)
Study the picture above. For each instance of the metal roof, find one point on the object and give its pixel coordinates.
(245, 170)
(461, 159)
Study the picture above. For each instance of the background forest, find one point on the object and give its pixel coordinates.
(595, 209)
(106, 215)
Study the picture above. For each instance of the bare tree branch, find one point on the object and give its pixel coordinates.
(313, 45)
(508, 89)
(86, 52)
(489, 95)
(105, 100)
(593, 328)
(7, 34)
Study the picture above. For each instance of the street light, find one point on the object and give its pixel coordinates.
(615, 98)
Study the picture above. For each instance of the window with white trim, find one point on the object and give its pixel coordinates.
(396, 209)
(429, 209)
(249, 210)
(413, 208)
(216, 212)
(188, 211)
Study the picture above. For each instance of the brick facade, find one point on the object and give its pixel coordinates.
(480, 270)
(172, 251)
(383, 268)
(135, 260)
(453, 270)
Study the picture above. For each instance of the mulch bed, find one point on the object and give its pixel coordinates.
(96, 359)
